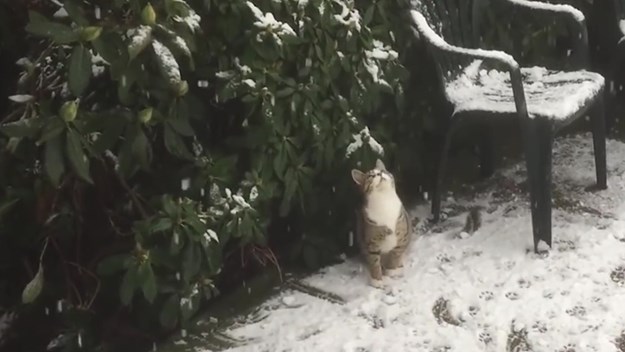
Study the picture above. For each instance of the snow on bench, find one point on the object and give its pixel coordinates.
(551, 94)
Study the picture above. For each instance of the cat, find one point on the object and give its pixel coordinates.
(383, 227)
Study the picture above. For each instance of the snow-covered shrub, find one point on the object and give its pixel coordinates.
(162, 137)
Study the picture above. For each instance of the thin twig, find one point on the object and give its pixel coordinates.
(94, 276)
(133, 195)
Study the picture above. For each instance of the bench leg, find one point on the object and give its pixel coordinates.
(539, 161)
(598, 138)
(487, 157)
(440, 175)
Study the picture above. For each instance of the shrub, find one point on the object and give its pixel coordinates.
(151, 141)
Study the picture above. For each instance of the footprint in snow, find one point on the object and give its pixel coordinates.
(539, 327)
(485, 337)
(486, 295)
(568, 348)
(443, 258)
(524, 283)
(513, 296)
(618, 275)
(564, 245)
(577, 311)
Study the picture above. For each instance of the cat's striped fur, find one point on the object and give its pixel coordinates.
(382, 225)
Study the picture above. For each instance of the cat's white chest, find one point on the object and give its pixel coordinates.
(383, 208)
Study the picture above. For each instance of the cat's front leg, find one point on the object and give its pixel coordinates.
(374, 261)
(395, 263)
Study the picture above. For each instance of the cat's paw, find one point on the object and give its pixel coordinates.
(376, 283)
(394, 273)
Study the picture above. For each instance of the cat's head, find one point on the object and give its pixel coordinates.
(376, 179)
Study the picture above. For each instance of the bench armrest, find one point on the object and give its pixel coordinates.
(575, 20)
(441, 47)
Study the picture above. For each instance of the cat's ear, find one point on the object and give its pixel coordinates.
(359, 177)
(380, 165)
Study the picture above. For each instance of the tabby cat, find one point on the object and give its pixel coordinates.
(383, 228)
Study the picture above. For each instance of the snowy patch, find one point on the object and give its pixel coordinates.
(269, 25)
(436, 40)
(349, 17)
(552, 94)
(98, 65)
(168, 62)
(359, 139)
(486, 293)
(538, 5)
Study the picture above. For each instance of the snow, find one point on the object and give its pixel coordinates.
(552, 94)
(182, 45)
(140, 37)
(193, 20)
(348, 17)
(61, 13)
(364, 136)
(485, 293)
(435, 40)
(97, 64)
(537, 5)
(168, 61)
(269, 25)
(21, 98)
(542, 246)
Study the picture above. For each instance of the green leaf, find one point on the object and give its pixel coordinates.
(54, 162)
(148, 281)
(21, 128)
(141, 149)
(280, 162)
(114, 263)
(76, 155)
(175, 144)
(34, 287)
(170, 207)
(52, 129)
(192, 260)
(128, 166)
(177, 8)
(41, 26)
(179, 119)
(285, 92)
(162, 224)
(177, 242)
(6, 206)
(79, 70)
(169, 314)
(129, 285)
(109, 45)
(291, 184)
(76, 12)
(368, 15)
(109, 137)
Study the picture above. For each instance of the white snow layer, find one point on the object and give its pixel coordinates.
(538, 5)
(552, 94)
(436, 40)
(491, 292)
(359, 139)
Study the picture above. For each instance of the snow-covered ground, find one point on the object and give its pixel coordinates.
(488, 292)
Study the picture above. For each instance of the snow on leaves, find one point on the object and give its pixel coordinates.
(269, 26)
